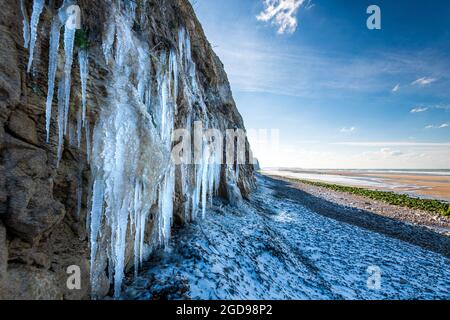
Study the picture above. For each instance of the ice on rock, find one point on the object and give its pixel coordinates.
(143, 86)
(26, 25)
(128, 154)
(38, 7)
(96, 219)
(52, 66)
(69, 40)
(108, 39)
(126, 148)
(84, 70)
(205, 176)
(79, 127)
(166, 193)
(233, 191)
(87, 130)
(173, 72)
(61, 116)
(130, 146)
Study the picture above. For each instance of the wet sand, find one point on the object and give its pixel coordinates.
(432, 186)
(423, 185)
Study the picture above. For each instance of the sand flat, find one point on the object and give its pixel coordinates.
(427, 185)
(424, 185)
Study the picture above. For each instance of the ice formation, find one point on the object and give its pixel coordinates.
(52, 66)
(133, 177)
(130, 156)
(60, 119)
(26, 25)
(38, 7)
(69, 40)
(64, 90)
(83, 61)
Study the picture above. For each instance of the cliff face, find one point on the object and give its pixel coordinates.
(104, 180)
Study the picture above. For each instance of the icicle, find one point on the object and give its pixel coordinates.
(84, 70)
(61, 117)
(196, 197)
(79, 191)
(185, 185)
(52, 66)
(96, 218)
(69, 40)
(217, 171)
(79, 126)
(211, 181)
(166, 205)
(26, 25)
(38, 6)
(88, 140)
(174, 77)
(164, 107)
(72, 135)
(119, 227)
(205, 183)
(137, 227)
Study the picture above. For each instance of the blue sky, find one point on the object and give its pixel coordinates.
(339, 94)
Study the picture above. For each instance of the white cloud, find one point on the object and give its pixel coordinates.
(438, 126)
(347, 130)
(396, 88)
(419, 109)
(282, 13)
(423, 81)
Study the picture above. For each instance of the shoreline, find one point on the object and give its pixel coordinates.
(426, 186)
(432, 221)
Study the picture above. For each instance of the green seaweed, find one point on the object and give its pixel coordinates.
(403, 200)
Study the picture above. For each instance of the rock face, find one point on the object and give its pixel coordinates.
(45, 206)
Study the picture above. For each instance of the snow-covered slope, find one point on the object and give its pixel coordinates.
(276, 248)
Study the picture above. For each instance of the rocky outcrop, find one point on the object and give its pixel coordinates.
(45, 207)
